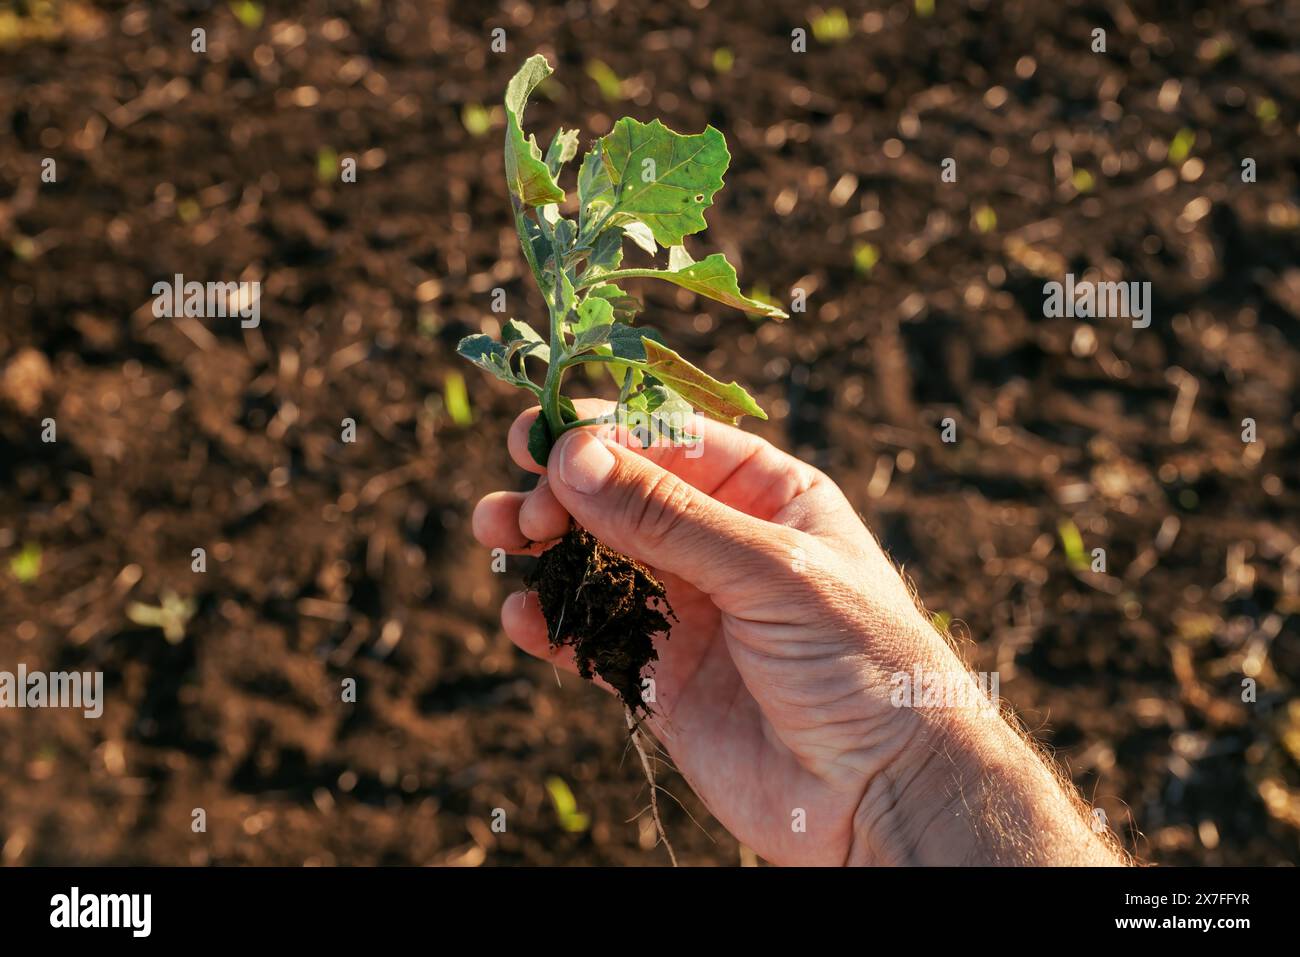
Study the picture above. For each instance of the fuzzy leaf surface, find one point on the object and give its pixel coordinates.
(724, 401)
(625, 306)
(713, 278)
(522, 339)
(594, 323)
(489, 355)
(564, 147)
(684, 173)
(527, 175)
(656, 412)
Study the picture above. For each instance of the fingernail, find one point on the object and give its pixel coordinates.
(585, 463)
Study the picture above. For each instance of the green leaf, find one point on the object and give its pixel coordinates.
(537, 249)
(714, 278)
(489, 355)
(522, 339)
(726, 402)
(482, 350)
(662, 178)
(626, 342)
(590, 339)
(539, 434)
(564, 147)
(658, 411)
(640, 234)
(520, 331)
(528, 177)
(625, 305)
(595, 191)
(592, 328)
(605, 255)
(567, 296)
(563, 231)
(593, 313)
(539, 440)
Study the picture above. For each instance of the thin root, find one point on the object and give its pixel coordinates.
(678, 802)
(633, 727)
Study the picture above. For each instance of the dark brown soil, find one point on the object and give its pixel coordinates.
(604, 606)
(329, 561)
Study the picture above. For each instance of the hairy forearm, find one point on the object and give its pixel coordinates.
(971, 790)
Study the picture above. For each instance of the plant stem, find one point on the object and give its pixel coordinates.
(619, 274)
(551, 399)
(596, 357)
(598, 420)
(555, 371)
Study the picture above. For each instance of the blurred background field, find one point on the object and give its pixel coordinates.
(328, 560)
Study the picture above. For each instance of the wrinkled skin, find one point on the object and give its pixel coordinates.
(773, 693)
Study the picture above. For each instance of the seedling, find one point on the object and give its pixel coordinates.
(172, 616)
(644, 183)
(566, 806)
(640, 182)
(26, 565)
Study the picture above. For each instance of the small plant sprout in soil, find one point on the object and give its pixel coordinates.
(644, 183)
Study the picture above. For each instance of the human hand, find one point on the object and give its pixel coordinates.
(773, 692)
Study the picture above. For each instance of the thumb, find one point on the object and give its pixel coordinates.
(636, 507)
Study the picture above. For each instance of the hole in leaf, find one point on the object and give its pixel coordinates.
(699, 197)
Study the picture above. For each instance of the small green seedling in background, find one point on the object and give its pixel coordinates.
(248, 13)
(456, 399)
(642, 182)
(611, 86)
(26, 565)
(1072, 542)
(172, 616)
(831, 26)
(476, 120)
(566, 806)
(327, 164)
(1180, 147)
(865, 257)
